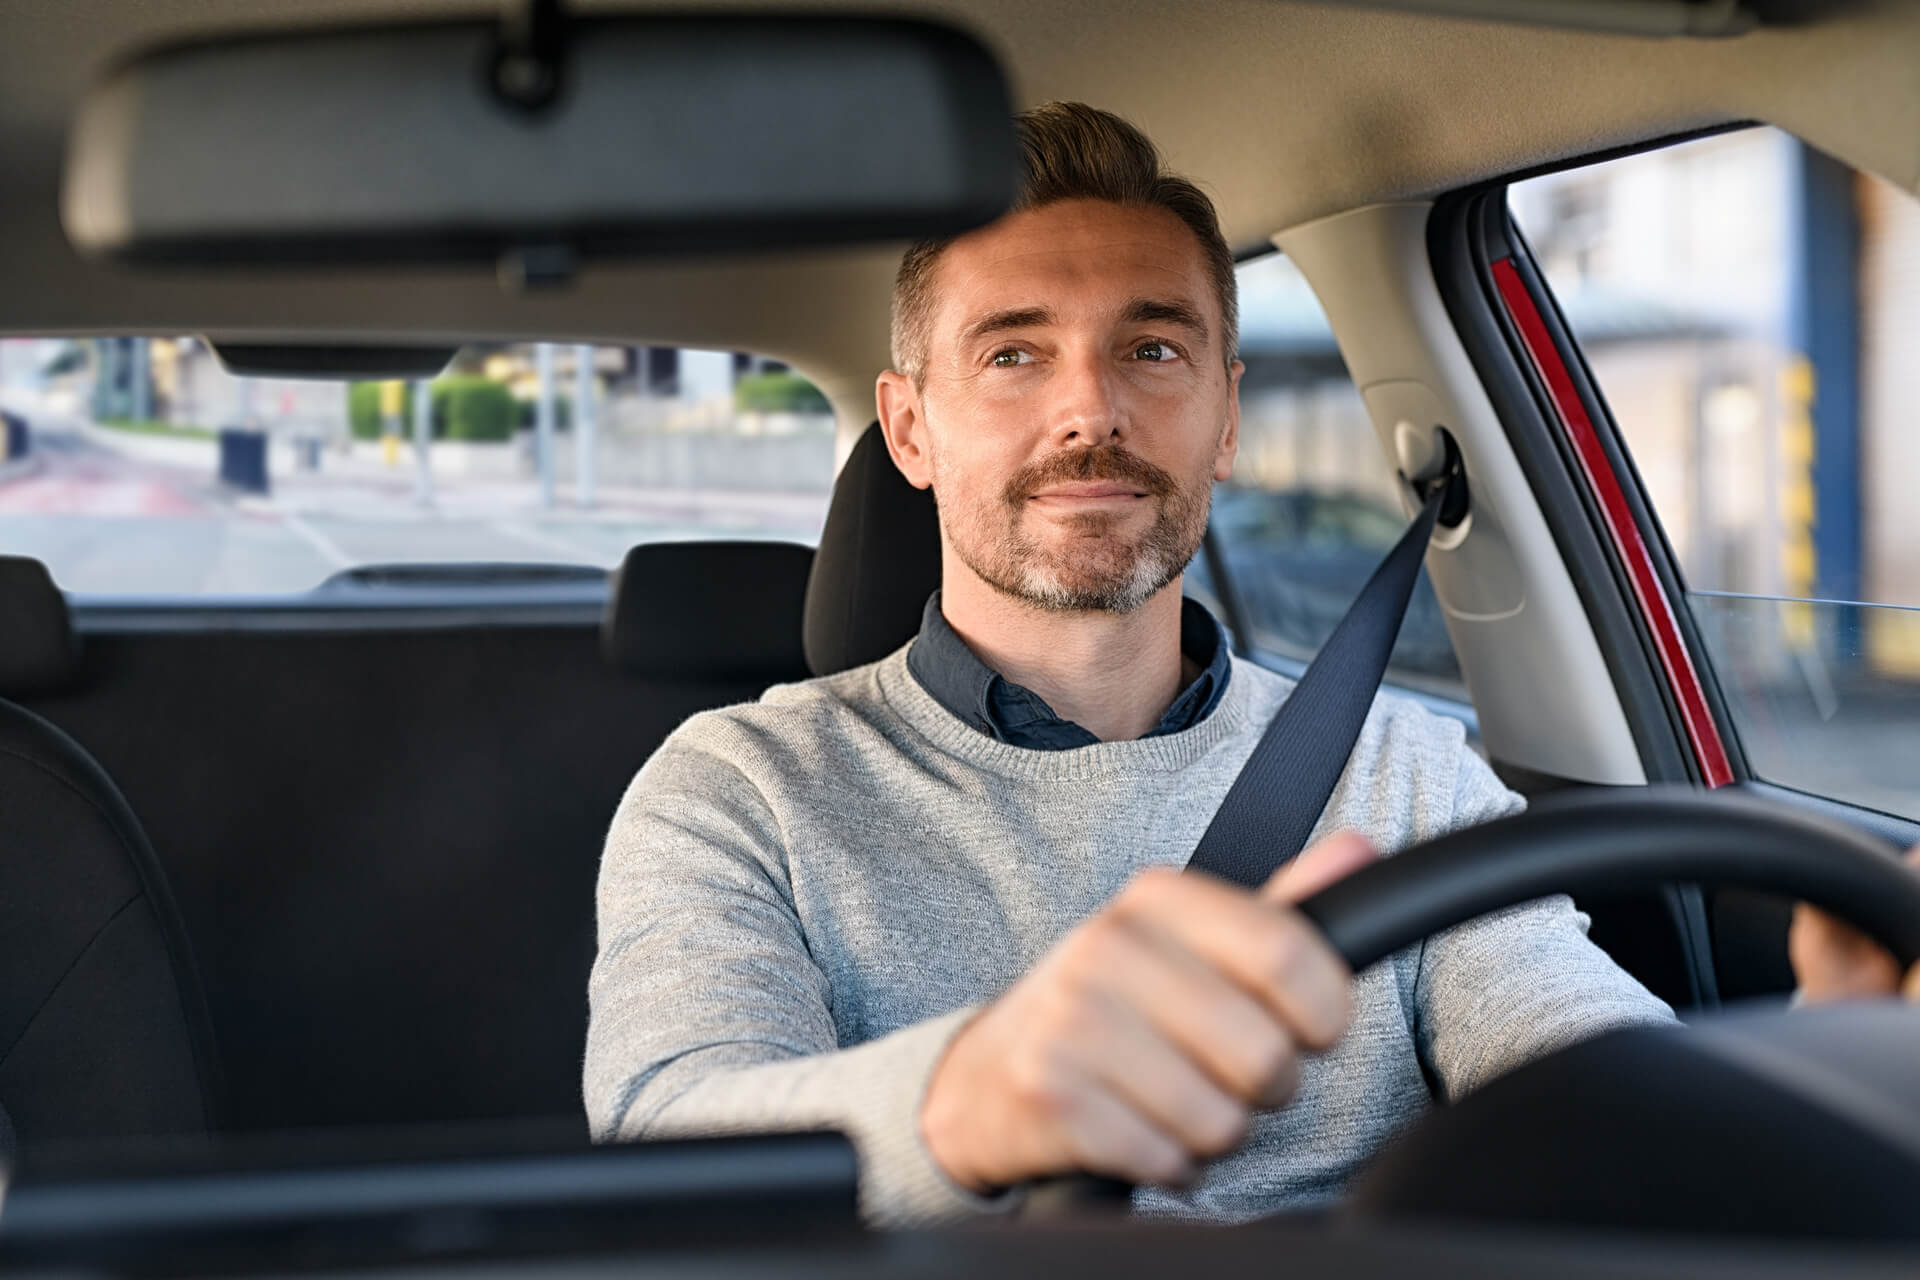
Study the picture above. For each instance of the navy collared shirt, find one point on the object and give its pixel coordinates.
(1016, 715)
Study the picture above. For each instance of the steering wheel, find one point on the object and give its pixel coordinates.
(1600, 843)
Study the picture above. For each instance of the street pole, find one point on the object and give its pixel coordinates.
(584, 424)
(422, 442)
(543, 421)
(141, 410)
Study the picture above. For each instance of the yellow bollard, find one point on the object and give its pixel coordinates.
(393, 402)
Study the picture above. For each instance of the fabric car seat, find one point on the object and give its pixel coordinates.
(878, 561)
(103, 1027)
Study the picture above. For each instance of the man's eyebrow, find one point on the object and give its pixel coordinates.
(1166, 311)
(1001, 321)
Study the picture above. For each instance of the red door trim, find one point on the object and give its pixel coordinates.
(1682, 676)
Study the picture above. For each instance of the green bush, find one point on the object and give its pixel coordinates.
(783, 392)
(464, 407)
(473, 408)
(363, 410)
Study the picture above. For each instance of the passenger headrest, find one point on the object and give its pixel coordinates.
(708, 611)
(38, 649)
(879, 560)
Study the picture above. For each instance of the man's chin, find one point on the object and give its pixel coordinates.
(1116, 588)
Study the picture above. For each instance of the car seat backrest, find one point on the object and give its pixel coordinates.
(103, 1027)
(708, 611)
(879, 560)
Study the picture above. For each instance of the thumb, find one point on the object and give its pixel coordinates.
(1319, 865)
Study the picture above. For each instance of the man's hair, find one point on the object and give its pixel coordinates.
(1071, 151)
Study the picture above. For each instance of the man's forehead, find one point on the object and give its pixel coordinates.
(1069, 257)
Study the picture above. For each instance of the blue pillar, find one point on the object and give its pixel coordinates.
(1824, 326)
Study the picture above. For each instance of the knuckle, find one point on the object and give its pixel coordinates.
(1266, 1057)
(1308, 978)
(1146, 887)
(1281, 953)
(1096, 944)
(1039, 1082)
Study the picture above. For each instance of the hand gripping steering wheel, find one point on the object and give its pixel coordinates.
(1596, 843)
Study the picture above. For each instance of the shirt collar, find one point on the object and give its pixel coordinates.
(955, 677)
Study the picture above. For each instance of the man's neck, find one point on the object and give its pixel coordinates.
(1113, 674)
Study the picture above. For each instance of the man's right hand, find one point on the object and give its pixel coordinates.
(1140, 1046)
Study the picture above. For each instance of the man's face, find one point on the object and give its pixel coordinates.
(1076, 406)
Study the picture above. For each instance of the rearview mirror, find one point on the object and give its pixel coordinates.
(628, 136)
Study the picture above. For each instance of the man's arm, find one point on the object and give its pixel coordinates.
(1137, 1046)
(709, 1015)
(1502, 990)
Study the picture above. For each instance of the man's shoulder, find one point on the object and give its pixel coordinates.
(788, 724)
(1396, 723)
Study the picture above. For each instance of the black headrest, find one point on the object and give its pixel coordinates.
(38, 650)
(708, 611)
(879, 560)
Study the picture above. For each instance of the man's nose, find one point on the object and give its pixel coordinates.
(1088, 407)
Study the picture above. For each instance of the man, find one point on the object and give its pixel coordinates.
(935, 902)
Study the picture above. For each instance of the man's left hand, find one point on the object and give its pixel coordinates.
(1835, 961)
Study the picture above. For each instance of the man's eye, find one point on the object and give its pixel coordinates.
(1154, 352)
(1009, 358)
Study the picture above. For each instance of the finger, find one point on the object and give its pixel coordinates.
(1834, 961)
(1271, 952)
(1104, 1134)
(1319, 865)
(1137, 1064)
(1226, 1032)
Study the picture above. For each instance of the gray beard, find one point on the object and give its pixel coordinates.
(1106, 579)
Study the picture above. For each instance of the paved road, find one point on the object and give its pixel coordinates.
(110, 523)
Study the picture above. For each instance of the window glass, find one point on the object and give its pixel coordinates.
(1749, 306)
(1311, 509)
(139, 466)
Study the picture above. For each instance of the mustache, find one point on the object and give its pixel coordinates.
(1103, 462)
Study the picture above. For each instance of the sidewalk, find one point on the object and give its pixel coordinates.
(357, 486)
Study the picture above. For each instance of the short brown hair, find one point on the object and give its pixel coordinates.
(1072, 151)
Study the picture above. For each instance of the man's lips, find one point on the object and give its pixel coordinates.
(1088, 491)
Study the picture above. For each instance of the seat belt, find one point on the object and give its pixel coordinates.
(1273, 806)
(1285, 784)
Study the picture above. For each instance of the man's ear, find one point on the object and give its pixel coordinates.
(1229, 446)
(904, 425)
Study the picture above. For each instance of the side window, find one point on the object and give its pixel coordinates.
(1311, 510)
(1749, 307)
(140, 466)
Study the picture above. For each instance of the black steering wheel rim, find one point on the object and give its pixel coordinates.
(1591, 842)
(1609, 842)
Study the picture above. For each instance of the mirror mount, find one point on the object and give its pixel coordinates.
(527, 68)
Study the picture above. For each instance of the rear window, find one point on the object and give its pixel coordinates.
(139, 466)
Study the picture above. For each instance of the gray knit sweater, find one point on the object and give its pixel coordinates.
(802, 900)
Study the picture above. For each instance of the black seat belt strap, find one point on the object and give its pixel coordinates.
(1274, 804)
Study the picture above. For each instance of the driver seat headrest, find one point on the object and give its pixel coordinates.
(878, 561)
(38, 649)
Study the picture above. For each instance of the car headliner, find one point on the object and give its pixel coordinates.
(1286, 111)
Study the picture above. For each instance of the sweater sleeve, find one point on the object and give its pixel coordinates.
(1502, 990)
(708, 1015)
